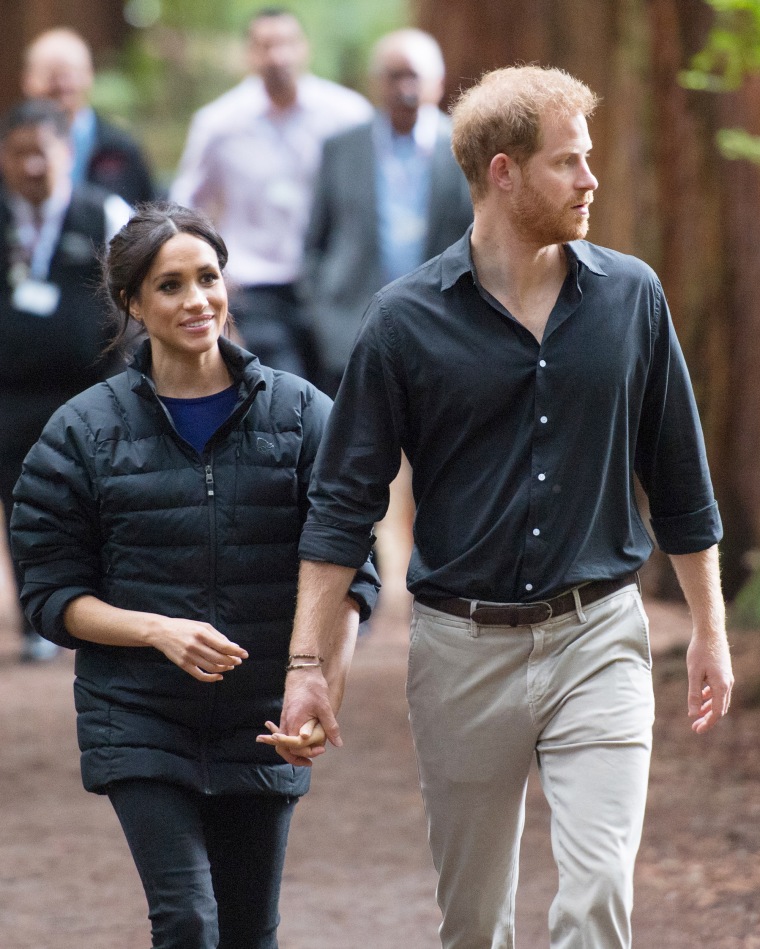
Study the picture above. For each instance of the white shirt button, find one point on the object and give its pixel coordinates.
(536, 532)
(542, 477)
(543, 420)
(542, 363)
(529, 586)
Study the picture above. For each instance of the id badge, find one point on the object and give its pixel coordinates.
(36, 297)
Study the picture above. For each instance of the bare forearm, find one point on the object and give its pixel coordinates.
(325, 626)
(326, 621)
(340, 653)
(699, 577)
(94, 621)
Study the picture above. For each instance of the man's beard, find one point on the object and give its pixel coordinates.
(539, 222)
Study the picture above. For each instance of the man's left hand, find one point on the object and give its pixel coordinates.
(711, 680)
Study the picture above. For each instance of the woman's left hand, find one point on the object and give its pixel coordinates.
(297, 749)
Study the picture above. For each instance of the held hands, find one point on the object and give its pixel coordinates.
(307, 720)
(297, 749)
(198, 648)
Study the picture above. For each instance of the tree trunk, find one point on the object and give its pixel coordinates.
(710, 210)
(597, 41)
(664, 195)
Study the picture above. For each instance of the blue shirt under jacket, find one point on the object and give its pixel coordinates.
(523, 453)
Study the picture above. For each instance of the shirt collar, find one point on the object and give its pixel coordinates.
(586, 254)
(305, 96)
(53, 207)
(84, 122)
(424, 134)
(457, 259)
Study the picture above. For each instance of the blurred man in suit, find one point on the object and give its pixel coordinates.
(58, 66)
(388, 196)
(51, 319)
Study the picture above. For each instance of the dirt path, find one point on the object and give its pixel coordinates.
(358, 874)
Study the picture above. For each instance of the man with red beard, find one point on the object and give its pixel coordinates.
(527, 375)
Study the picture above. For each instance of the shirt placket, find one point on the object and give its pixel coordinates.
(545, 449)
(543, 432)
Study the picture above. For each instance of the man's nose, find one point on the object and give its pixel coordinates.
(35, 166)
(588, 181)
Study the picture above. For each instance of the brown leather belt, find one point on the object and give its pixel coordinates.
(527, 614)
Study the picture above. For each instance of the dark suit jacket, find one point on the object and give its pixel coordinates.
(118, 165)
(45, 360)
(342, 263)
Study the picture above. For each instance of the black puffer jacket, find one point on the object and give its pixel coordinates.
(113, 502)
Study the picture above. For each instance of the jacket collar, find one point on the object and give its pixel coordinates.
(244, 368)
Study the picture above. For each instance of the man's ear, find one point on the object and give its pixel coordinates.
(503, 171)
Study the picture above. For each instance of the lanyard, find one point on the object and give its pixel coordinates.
(33, 246)
(43, 247)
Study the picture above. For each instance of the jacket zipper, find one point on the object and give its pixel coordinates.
(211, 695)
(210, 494)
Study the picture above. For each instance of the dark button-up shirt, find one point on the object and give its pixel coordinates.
(523, 453)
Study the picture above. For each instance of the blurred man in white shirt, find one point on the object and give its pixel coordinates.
(250, 162)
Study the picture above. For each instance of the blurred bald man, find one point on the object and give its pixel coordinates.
(58, 66)
(388, 196)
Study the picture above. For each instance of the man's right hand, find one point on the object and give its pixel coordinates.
(306, 699)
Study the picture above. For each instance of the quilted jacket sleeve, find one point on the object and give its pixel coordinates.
(54, 525)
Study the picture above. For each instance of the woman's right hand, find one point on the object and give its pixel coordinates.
(197, 648)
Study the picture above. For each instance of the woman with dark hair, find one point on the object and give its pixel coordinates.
(157, 523)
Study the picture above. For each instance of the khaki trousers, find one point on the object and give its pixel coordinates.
(576, 692)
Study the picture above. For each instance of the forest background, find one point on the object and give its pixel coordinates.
(678, 168)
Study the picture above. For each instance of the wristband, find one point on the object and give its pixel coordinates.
(318, 660)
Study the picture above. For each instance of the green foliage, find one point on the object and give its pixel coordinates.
(186, 52)
(745, 610)
(738, 143)
(731, 53)
(340, 30)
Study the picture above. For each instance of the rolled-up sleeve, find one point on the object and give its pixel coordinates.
(670, 455)
(360, 452)
(366, 584)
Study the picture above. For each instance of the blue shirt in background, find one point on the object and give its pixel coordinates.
(403, 191)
